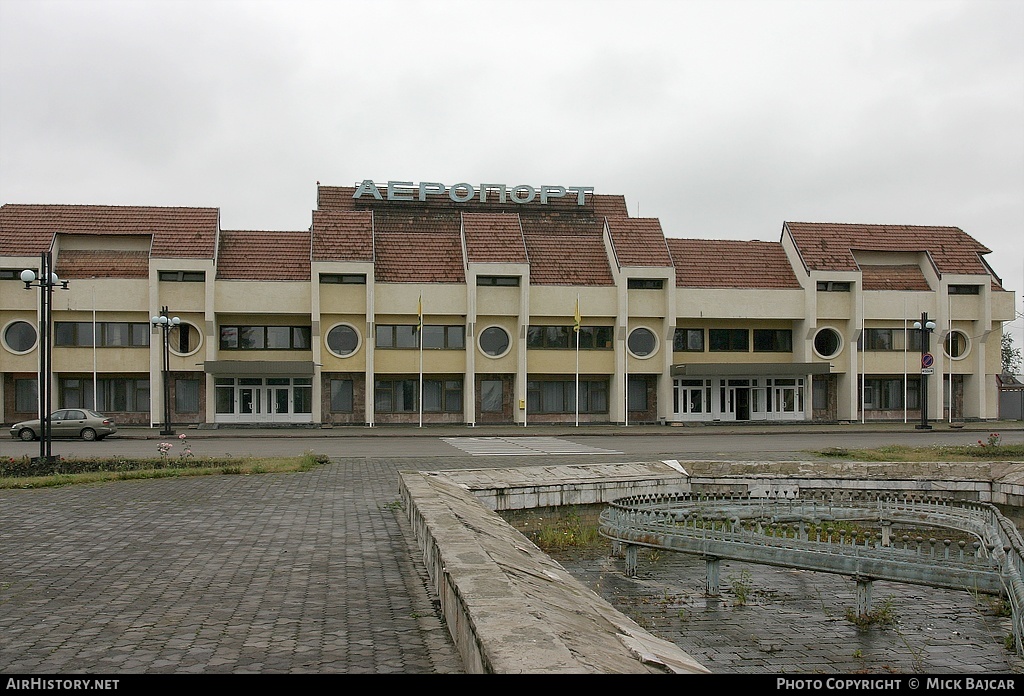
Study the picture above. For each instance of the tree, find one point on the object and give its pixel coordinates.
(1010, 355)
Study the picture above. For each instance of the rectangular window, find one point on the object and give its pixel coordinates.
(225, 394)
(773, 341)
(343, 278)
(964, 289)
(878, 339)
(395, 395)
(595, 337)
(265, 337)
(9, 274)
(183, 276)
(302, 395)
(278, 337)
(501, 281)
(492, 396)
(26, 395)
(186, 395)
(559, 396)
(688, 340)
(645, 283)
(442, 395)
(887, 393)
(728, 340)
(111, 334)
(833, 286)
(444, 337)
(819, 394)
(564, 337)
(637, 394)
(125, 394)
(406, 337)
(342, 395)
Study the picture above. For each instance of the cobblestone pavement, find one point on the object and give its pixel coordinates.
(272, 573)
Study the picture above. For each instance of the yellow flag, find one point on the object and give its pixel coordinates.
(576, 328)
(419, 314)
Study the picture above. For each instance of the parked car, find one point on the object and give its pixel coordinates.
(68, 422)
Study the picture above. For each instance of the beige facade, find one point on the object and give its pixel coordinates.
(323, 326)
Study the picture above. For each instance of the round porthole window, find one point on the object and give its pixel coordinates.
(343, 340)
(184, 339)
(642, 343)
(494, 341)
(19, 337)
(957, 345)
(828, 343)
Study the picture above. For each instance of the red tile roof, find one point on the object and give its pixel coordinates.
(494, 238)
(577, 259)
(419, 255)
(639, 242)
(830, 247)
(899, 277)
(27, 230)
(342, 235)
(718, 263)
(101, 263)
(262, 255)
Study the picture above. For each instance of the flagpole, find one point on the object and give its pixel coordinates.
(905, 346)
(419, 334)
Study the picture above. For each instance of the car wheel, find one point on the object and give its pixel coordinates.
(26, 434)
(88, 434)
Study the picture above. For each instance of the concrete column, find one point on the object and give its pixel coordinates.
(863, 596)
(631, 552)
(713, 572)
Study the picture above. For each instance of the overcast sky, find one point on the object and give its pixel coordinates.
(723, 119)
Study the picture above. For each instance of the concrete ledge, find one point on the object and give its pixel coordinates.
(510, 608)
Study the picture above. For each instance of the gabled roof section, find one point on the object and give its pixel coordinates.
(419, 256)
(101, 263)
(27, 230)
(342, 235)
(720, 263)
(577, 259)
(639, 242)
(262, 255)
(494, 238)
(829, 246)
(897, 277)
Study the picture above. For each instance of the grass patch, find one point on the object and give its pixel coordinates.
(71, 471)
(903, 453)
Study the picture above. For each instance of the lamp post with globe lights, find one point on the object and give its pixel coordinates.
(925, 327)
(46, 281)
(165, 323)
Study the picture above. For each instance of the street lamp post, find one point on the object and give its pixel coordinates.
(925, 327)
(165, 323)
(46, 281)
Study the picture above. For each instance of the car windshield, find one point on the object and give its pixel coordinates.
(96, 415)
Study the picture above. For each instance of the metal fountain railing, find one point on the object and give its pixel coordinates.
(814, 532)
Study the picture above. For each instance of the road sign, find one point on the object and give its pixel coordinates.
(927, 370)
(927, 360)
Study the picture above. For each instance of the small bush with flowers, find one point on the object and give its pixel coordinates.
(992, 441)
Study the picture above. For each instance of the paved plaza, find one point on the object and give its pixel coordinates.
(317, 573)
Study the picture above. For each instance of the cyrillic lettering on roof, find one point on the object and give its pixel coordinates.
(463, 192)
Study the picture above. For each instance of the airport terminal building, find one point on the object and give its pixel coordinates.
(425, 303)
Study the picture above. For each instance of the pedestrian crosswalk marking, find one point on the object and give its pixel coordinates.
(521, 446)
